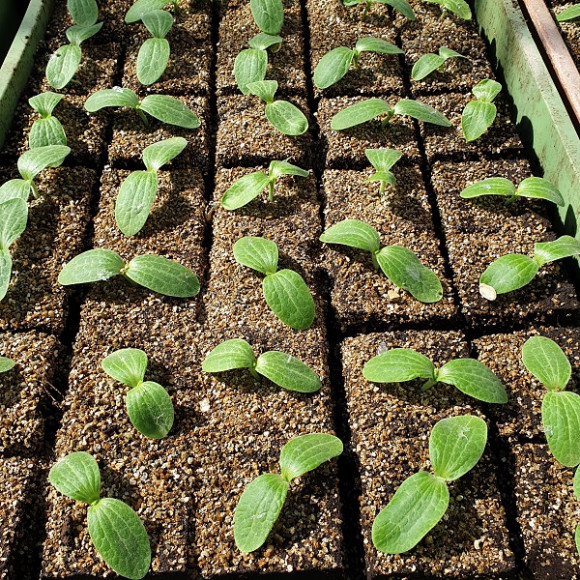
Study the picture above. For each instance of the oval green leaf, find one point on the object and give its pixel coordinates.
(158, 154)
(332, 67)
(230, 354)
(383, 159)
(91, 266)
(46, 132)
(263, 41)
(570, 13)
(115, 97)
(265, 90)
(13, 218)
(305, 453)
(127, 365)
(78, 34)
(134, 201)
(459, 7)
(268, 15)
(250, 67)
(507, 274)
(171, 111)
(142, 7)
(287, 372)
(77, 476)
(547, 362)
(15, 189)
(119, 537)
(5, 272)
(372, 44)
(359, 113)
(398, 365)
(63, 65)
(286, 118)
(486, 90)
(353, 233)
(32, 162)
(563, 247)
(150, 409)
(539, 188)
(416, 508)
(277, 168)
(158, 23)
(401, 5)
(561, 420)
(6, 364)
(257, 253)
(152, 60)
(426, 65)
(490, 186)
(421, 112)
(83, 12)
(45, 103)
(244, 190)
(476, 118)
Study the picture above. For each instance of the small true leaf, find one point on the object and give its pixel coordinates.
(91, 266)
(398, 365)
(83, 12)
(486, 90)
(127, 365)
(353, 233)
(263, 41)
(45, 103)
(77, 476)
(561, 420)
(286, 118)
(150, 409)
(332, 67)
(287, 372)
(134, 201)
(305, 453)
(115, 97)
(13, 218)
(359, 113)
(383, 159)
(277, 168)
(244, 190)
(547, 362)
(265, 90)
(268, 15)
(6, 364)
(490, 186)
(142, 7)
(152, 59)
(257, 253)
(563, 247)
(421, 112)
(155, 156)
(158, 23)
(230, 354)
(476, 119)
(170, 110)
(539, 188)
(62, 65)
(506, 274)
(76, 35)
(32, 162)
(249, 67)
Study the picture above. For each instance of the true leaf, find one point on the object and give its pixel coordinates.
(127, 365)
(5, 272)
(13, 218)
(91, 266)
(570, 13)
(379, 45)
(257, 253)
(45, 132)
(230, 354)
(353, 233)
(486, 90)
(506, 274)
(158, 22)
(561, 420)
(152, 59)
(305, 453)
(244, 190)
(142, 7)
(76, 35)
(421, 112)
(563, 247)
(547, 362)
(249, 67)
(278, 168)
(268, 15)
(383, 159)
(6, 364)
(115, 97)
(77, 476)
(288, 296)
(32, 162)
(15, 189)
(398, 365)
(134, 201)
(286, 118)
(150, 409)
(257, 511)
(539, 188)
(263, 41)
(332, 67)
(155, 156)
(417, 506)
(119, 537)
(265, 90)
(162, 275)
(170, 110)
(490, 186)
(287, 372)
(62, 65)
(456, 445)
(45, 103)
(359, 113)
(83, 12)
(476, 119)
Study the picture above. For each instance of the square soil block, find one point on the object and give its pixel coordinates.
(402, 215)
(246, 137)
(24, 392)
(520, 418)
(478, 231)
(547, 513)
(54, 235)
(346, 149)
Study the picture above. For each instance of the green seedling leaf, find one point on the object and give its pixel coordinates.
(163, 276)
(83, 12)
(127, 365)
(456, 445)
(120, 537)
(77, 476)
(155, 156)
(286, 118)
(278, 168)
(416, 508)
(476, 119)
(405, 270)
(332, 67)
(401, 5)
(32, 162)
(305, 453)
(353, 233)
(76, 35)
(45, 103)
(570, 13)
(142, 7)
(257, 511)
(15, 189)
(458, 7)
(474, 379)
(561, 420)
(288, 296)
(91, 266)
(421, 112)
(268, 15)
(5, 272)
(372, 44)
(115, 97)
(563, 247)
(265, 90)
(152, 59)
(244, 190)
(257, 253)
(263, 41)
(150, 409)
(382, 160)
(490, 186)
(170, 110)
(229, 355)
(547, 362)
(539, 188)
(46, 132)
(13, 218)
(398, 365)
(158, 23)
(359, 113)
(136, 197)
(6, 364)
(507, 274)
(429, 63)
(63, 65)
(287, 372)
(249, 67)
(486, 90)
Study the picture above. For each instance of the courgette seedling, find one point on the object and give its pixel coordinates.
(456, 445)
(63, 64)
(469, 375)
(431, 62)
(263, 499)
(479, 115)
(248, 187)
(285, 291)
(115, 529)
(47, 130)
(531, 187)
(369, 109)
(401, 5)
(153, 54)
(251, 63)
(13, 218)
(137, 193)
(149, 405)
(142, 7)
(162, 107)
(282, 369)
(513, 271)
(400, 265)
(268, 15)
(284, 116)
(382, 160)
(458, 7)
(570, 13)
(334, 65)
(153, 272)
(6, 364)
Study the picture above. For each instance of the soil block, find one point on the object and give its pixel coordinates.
(478, 231)
(402, 216)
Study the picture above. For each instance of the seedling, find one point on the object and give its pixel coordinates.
(154, 53)
(382, 160)
(560, 408)
(268, 15)
(531, 187)
(63, 64)
(334, 65)
(251, 63)
(401, 5)
(399, 265)
(115, 529)
(248, 187)
(30, 164)
(456, 445)
(263, 499)
(48, 129)
(6, 364)
(137, 193)
(13, 218)
(282, 369)
(162, 107)
(148, 404)
(369, 109)
(153, 272)
(284, 116)
(285, 291)
(142, 7)
(430, 62)
(458, 7)
(480, 114)
(513, 271)
(570, 13)
(469, 375)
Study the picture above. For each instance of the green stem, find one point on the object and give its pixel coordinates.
(428, 384)
(382, 188)
(355, 55)
(254, 373)
(271, 194)
(366, 11)
(510, 199)
(374, 259)
(142, 115)
(388, 118)
(35, 193)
